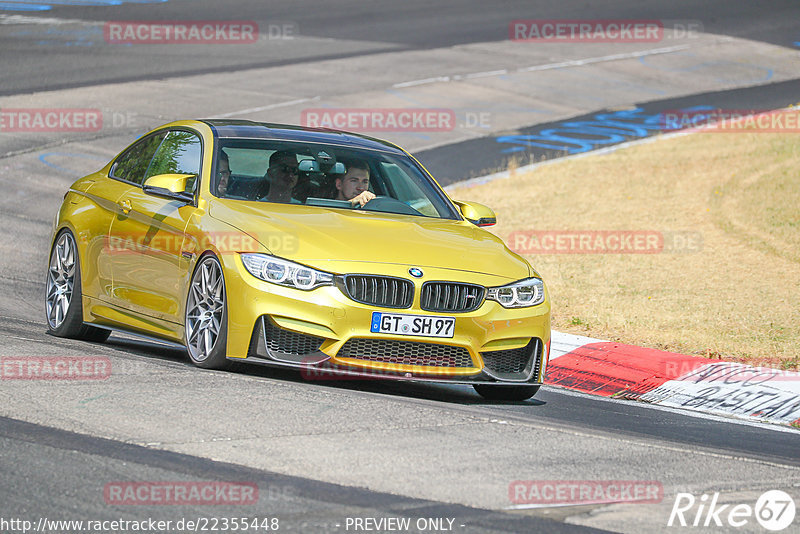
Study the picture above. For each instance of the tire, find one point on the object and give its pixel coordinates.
(206, 316)
(63, 299)
(506, 393)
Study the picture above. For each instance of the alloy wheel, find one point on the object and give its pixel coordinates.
(204, 310)
(60, 280)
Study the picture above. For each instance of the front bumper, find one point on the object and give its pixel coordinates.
(326, 334)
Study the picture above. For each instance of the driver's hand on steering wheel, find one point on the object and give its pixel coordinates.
(362, 198)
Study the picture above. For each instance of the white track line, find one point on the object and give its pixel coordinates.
(23, 19)
(548, 66)
(264, 108)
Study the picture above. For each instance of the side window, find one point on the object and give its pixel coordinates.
(405, 188)
(132, 165)
(179, 153)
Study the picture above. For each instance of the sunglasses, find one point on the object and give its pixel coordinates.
(288, 169)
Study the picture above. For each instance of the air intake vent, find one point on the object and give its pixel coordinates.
(523, 363)
(288, 342)
(406, 352)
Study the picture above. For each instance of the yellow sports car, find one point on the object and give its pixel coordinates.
(326, 251)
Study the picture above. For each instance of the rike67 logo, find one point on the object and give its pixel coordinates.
(774, 510)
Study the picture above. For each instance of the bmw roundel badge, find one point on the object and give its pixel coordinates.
(416, 273)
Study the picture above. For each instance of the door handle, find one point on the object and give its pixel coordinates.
(125, 206)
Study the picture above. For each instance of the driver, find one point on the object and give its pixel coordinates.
(354, 185)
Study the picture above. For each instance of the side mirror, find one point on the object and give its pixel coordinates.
(477, 214)
(172, 186)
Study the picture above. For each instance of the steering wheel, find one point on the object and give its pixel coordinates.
(389, 205)
(359, 206)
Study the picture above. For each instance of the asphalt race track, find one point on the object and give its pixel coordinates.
(326, 453)
(347, 29)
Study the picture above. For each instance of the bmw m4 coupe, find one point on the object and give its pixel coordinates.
(330, 252)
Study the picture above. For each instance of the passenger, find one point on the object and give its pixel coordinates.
(227, 188)
(354, 185)
(282, 174)
(223, 173)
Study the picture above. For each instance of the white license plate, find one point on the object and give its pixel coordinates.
(412, 325)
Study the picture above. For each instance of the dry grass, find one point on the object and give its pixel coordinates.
(737, 298)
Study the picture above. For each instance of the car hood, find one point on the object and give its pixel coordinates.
(322, 238)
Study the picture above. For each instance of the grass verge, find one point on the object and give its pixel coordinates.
(727, 283)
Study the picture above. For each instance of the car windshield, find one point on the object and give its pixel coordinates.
(326, 176)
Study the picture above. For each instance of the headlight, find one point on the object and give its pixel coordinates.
(285, 273)
(528, 292)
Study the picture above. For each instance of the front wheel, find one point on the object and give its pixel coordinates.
(206, 316)
(63, 300)
(506, 393)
